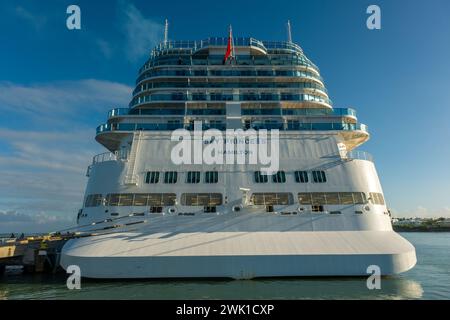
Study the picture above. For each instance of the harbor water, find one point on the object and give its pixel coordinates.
(429, 279)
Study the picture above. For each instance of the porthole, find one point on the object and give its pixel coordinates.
(172, 210)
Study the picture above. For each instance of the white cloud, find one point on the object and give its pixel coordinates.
(142, 33)
(422, 212)
(43, 172)
(65, 151)
(13, 221)
(105, 48)
(36, 21)
(42, 167)
(62, 99)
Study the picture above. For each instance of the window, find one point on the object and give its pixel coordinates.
(304, 198)
(318, 198)
(152, 177)
(376, 198)
(209, 209)
(211, 177)
(198, 96)
(332, 198)
(267, 199)
(201, 199)
(126, 199)
(261, 178)
(317, 208)
(359, 197)
(113, 199)
(140, 199)
(346, 197)
(153, 199)
(279, 177)
(117, 199)
(193, 177)
(170, 177)
(301, 176)
(93, 200)
(169, 199)
(319, 176)
(155, 209)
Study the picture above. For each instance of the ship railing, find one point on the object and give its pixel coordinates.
(359, 155)
(223, 41)
(240, 61)
(257, 125)
(213, 41)
(164, 72)
(110, 156)
(282, 45)
(181, 97)
(343, 112)
(118, 112)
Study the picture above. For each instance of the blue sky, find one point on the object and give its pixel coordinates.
(57, 85)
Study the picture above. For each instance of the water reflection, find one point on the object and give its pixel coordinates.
(53, 287)
(4, 294)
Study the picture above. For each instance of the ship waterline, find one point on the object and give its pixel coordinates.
(321, 212)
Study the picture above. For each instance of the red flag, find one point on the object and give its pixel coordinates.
(229, 52)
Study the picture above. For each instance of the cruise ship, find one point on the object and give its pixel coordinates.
(321, 212)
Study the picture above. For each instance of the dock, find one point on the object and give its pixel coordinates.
(35, 254)
(41, 254)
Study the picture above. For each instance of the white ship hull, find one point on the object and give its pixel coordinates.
(242, 246)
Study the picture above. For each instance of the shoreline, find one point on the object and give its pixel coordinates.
(420, 229)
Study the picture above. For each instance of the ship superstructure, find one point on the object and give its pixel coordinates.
(322, 212)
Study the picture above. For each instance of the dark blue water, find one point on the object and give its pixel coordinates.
(429, 279)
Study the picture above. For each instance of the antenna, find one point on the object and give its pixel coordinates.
(232, 42)
(288, 27)
(166, 31)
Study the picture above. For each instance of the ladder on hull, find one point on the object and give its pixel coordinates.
(131, 177)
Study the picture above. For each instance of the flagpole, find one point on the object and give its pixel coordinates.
(232, 41)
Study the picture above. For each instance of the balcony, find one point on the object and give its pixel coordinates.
(257, 125)
(151, 112)
(110, 156)
(118, 112)
(193, 46)
(340, 112)
(336, 112)
(359, 155)
(201, 87)
(301, 126)
(178, 72)
(106, 156)
(182, 97)
(138, 126)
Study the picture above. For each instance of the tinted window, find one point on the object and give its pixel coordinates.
(319, 176)
(211, 177)
(193, 177)
(170, 177)
(152, 177)
(261, 178)
(279, 177)
(301, 176)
